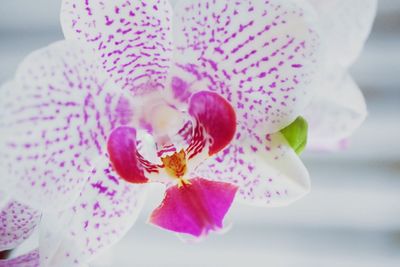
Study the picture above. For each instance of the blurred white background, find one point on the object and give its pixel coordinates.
(351, 217)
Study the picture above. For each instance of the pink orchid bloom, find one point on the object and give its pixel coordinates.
(194, 98)
(339, 108)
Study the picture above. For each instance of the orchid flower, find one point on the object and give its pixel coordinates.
(204, 99)
(338, 107)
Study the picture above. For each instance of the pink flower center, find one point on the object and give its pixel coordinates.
(181, 139)
(197, 205)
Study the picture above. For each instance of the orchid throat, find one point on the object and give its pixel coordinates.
(176, 167)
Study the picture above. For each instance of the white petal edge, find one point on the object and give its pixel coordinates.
(345, 25)
(335, 113)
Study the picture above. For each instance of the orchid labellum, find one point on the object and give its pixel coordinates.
(204, 98)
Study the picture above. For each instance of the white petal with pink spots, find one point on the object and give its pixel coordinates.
(105, 210)
(56, 118)
(260, 55)
(133, 38)
(17, 222)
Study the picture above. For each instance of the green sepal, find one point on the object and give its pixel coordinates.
(296, 134)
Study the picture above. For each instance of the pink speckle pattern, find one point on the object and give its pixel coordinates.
(260, 55)
(267, 171)
(17, 222)
(57, 114)
(133, 38)
(30, 259)
(105, 210)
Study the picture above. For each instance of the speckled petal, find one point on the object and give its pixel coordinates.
(259, 55)
(104, 212)
(335, 113)
(17, 222)
(345, 26)
(30, 259)
(133, 38)
(56, 118)
(267, 171)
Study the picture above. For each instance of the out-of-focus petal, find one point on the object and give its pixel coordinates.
(30, 259)
(345, 26)
(133, 38)
(217, 116)
(196, 208)
(335, 113)
(267, 171)
(56, 118)
(17, 222)
(104, 212)
(259, 55)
